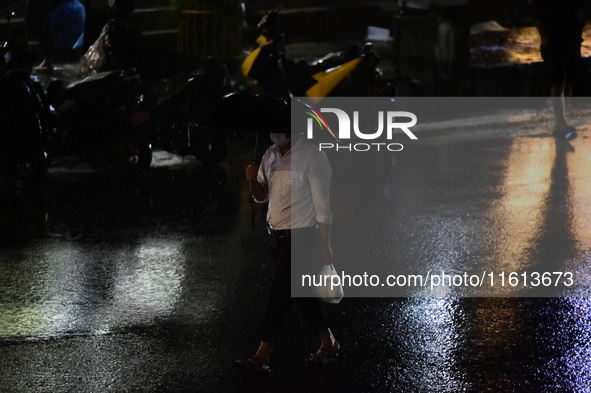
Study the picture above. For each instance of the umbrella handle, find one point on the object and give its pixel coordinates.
(256, 145)
(254, 159)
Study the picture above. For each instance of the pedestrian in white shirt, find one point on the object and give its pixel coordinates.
(294, 178)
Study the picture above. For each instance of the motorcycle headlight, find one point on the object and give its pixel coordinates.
(6, 57)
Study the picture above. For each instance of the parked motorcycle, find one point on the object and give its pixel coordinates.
(179, 89)
(103, 119)
(351, 72)
(24, 122)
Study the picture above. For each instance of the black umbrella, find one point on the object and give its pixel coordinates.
(248, 112)
(251, 113)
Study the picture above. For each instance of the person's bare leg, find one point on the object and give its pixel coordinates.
(567, 92)
(329, 347)
(263, 353)
(328, 342)
(557, 92)
(259, 363)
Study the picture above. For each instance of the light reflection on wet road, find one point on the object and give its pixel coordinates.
(157, 286)
(515, 45)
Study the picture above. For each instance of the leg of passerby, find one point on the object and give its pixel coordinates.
(307, 254)
(313, 312)
(259, 362)
(278, 304)
(560, 25)
(559, 93)
(329, 346)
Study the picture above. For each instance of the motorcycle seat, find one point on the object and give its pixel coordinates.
(60, 91)
(331, 60)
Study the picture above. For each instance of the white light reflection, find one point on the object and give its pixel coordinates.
(572, 372)
(147, 284)
(66, 289)
(43, 292)
(432, 344)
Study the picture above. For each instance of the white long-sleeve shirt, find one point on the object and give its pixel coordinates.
(297, 186)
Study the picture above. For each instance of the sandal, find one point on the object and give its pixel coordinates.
(566, 132)
(322, 356)
(253, 366)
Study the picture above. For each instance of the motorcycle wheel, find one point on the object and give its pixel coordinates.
(132, 156)
(28, 170)
(24, 131)
(211, 147)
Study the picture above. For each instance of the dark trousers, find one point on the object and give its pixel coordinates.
(279, 300)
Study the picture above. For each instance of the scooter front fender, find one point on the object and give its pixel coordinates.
(249, 61)
(327, 80)
(252, 56)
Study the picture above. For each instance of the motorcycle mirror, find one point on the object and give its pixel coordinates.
(9, 13)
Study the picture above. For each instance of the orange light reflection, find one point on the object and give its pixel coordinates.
(519, 212)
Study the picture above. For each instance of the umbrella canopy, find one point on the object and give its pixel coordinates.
(256, 113)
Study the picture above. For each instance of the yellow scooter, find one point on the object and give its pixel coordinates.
(349, 73)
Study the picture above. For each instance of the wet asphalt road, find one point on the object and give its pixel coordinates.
(158, 285)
